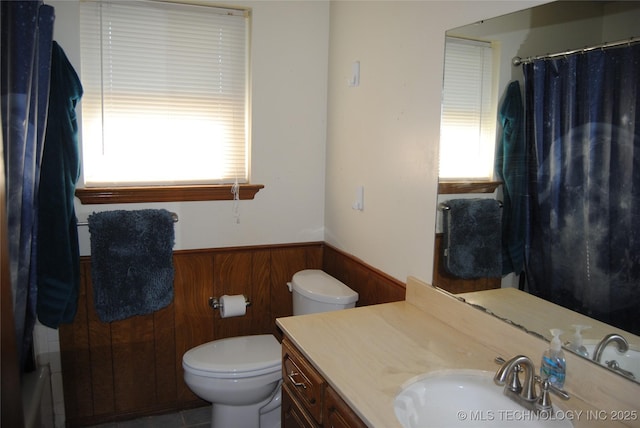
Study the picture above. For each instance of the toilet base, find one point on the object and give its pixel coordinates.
(270, 414)
(265, 414)
(223, 416)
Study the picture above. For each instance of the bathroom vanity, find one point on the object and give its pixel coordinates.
(367, 354)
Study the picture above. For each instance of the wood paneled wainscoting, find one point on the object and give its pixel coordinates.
(133, 367)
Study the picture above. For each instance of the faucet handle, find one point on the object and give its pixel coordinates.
(549, 387)
(515, 385)
(510, 377)
(544, 402)
(559, 392)
(510, 370)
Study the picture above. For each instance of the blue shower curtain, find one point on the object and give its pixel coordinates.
(583, 240)
(26, 31)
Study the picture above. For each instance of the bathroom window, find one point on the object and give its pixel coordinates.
(468, 126)
(166, 94)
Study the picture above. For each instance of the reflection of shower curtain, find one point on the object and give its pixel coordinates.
(584, 236)
(26, 37)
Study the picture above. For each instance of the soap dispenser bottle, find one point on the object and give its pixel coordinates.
(554, 365)
(576, 342)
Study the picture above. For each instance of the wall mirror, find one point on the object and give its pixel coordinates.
(563, 28)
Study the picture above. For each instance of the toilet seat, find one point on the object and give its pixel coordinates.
(235, 357)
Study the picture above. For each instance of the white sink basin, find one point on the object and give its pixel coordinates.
(465, 398)
(629, 360)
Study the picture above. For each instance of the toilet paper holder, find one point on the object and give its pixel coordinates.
(216, 304)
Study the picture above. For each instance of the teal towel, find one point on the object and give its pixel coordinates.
(58, 265)
(131, 262)
(511, 166)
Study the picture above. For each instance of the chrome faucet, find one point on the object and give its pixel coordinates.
(509, 375)
(623, 346)
(621, 342)
(524, 393)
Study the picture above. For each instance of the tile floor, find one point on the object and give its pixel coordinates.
(193, 418)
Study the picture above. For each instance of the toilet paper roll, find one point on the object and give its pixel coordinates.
(232, 306)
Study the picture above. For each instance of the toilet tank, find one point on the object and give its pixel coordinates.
(316, 291)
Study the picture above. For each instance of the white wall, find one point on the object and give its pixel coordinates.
(384, 134)
(290, 41)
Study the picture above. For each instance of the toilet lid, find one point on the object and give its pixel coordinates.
(241, 356)
(317, 285)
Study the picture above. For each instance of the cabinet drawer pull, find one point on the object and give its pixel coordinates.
(296, 384)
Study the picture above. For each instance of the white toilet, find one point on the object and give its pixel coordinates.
(241, 376)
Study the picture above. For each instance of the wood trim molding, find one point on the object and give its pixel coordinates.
(123, 195)
(457, 187)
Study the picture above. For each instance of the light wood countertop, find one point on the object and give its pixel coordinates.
(368, 353)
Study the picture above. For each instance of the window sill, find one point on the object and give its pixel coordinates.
(124, 195)
(457, 187)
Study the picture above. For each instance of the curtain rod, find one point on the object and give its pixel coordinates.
(519, 61)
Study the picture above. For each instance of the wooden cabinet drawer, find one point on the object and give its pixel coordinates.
(302, 380)
(337, 414)
(293, 416)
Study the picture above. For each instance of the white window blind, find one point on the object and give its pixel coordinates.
(166, 93)
(467, 134)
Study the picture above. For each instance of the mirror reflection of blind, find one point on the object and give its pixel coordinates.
(467, 134)
(166, 93)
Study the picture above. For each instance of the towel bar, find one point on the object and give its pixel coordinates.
(86, 223)
(444, 206)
